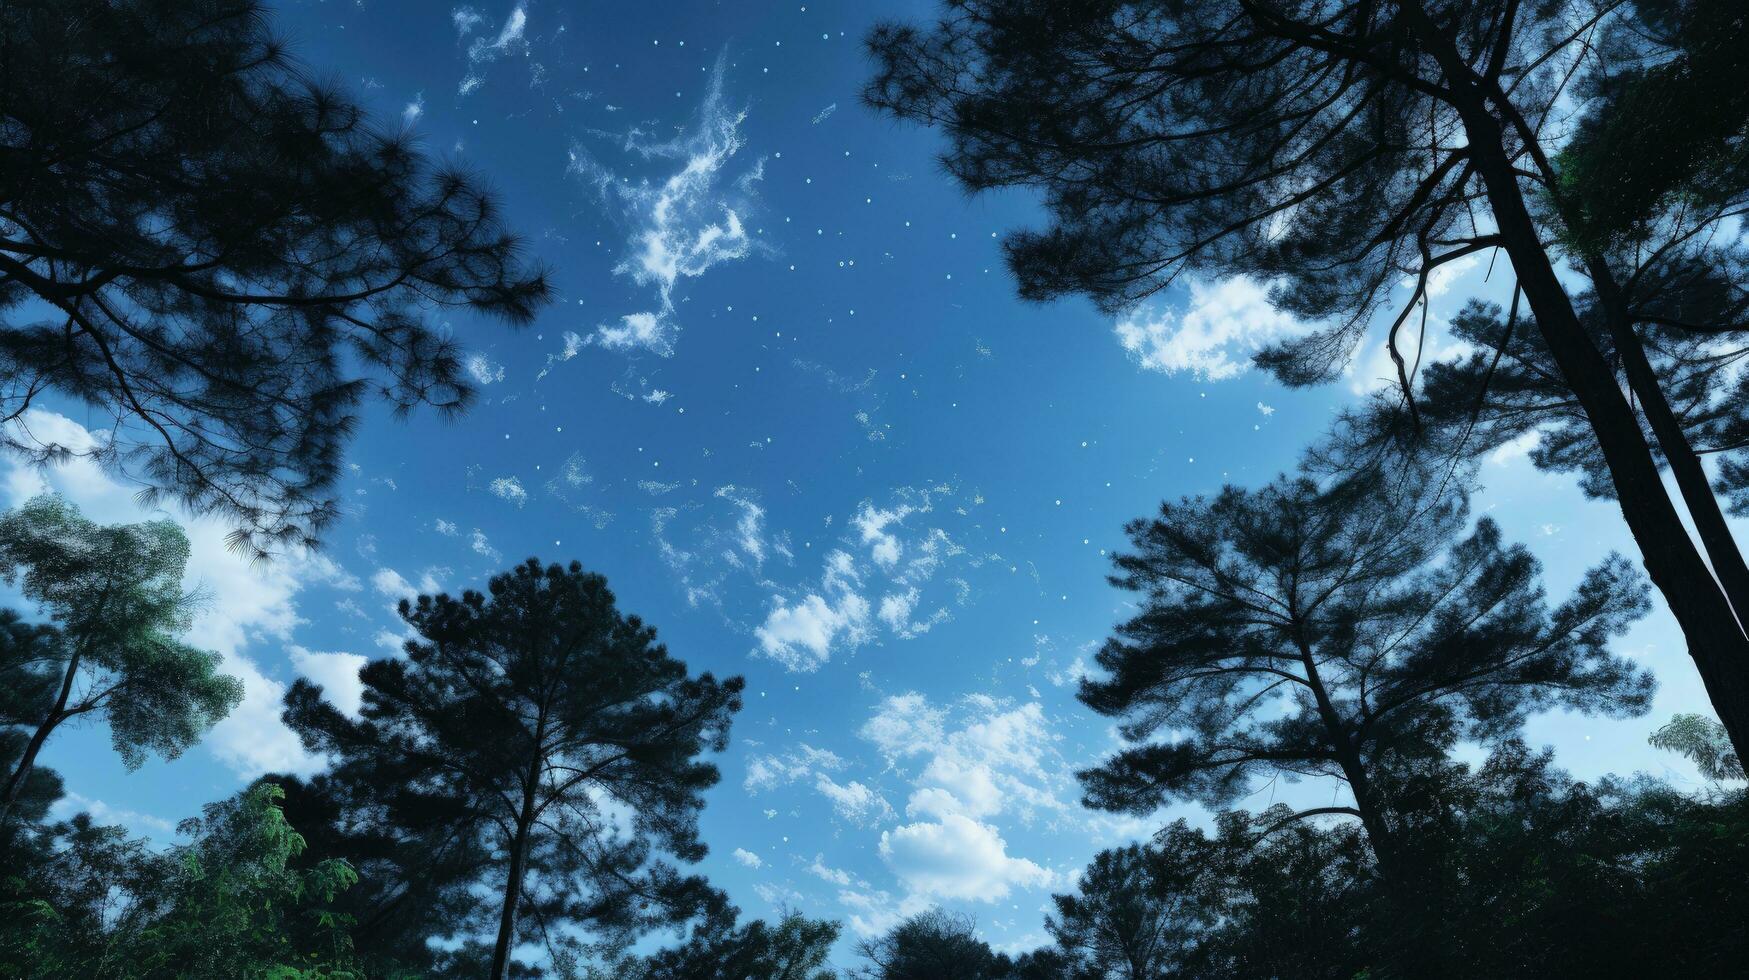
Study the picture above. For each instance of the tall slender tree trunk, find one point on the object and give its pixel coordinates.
(27, 761)
(513, 878)
(1715, 639)
(1407, 911)
(1691, 479)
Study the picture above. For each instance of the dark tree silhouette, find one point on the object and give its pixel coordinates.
(1140, 911)
(1335, 148)
(932, 945)
(716, 948)
(1345, 631)
(115, 597)
(29, 683)
(417, 874)
(549, 733)
(223, 256)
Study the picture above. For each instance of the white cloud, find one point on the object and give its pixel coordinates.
(483, 371)
(683, 225)
(872, 522)
(446, 528)
(769, 771)
(905, 724)
(958, 858)
(390, 583)
(777, 895)
(1214, 336)
(854, 802)
(574, 344)
(748, 858)
(980, 760)
(482, 546)
(336, 672)
(483, 52)
(412, 111)
(800, 635)
(509, 488)
(140, 823)
(749, 526)
(1072, 674)
(820, 870)
(465, 19)
(873, 913)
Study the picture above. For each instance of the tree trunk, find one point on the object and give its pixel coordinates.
(1715, 640)
(1691, 479)
(513, 878)
(27, 761)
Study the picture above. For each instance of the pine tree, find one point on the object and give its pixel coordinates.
(223, 255)
(1350, 631)
(539, 730)
(1336, 149)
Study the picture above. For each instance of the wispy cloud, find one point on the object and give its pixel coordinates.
(683, 224)
(483, 51)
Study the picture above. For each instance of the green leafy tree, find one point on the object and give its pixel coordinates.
(1704, 742)
(1333, 149)
(1344, 631)
(224, 255)
(115, 596)
(216, 908)
(1301, 900)
(538, 727)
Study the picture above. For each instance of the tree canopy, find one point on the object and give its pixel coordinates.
(551, 742)
(114, 596)
(1333, 150)
(224, 255)
(1345, 630)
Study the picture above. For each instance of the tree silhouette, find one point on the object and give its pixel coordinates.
(115, 596)
(552, 736)
(716, 948)
(932, 945)
(1335, 149)
(1345, 631)
(223, 256)
(1139, 911)
(417, 874)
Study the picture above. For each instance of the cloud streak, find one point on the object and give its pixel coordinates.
(684, 224)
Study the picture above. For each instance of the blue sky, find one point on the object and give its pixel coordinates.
(788, 404)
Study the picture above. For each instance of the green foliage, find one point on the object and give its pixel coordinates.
(1705, 743)
(1520, 872)
(114, 595)
(231, 255)
(1332, 149)
(1669, 126)
(217, 908)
